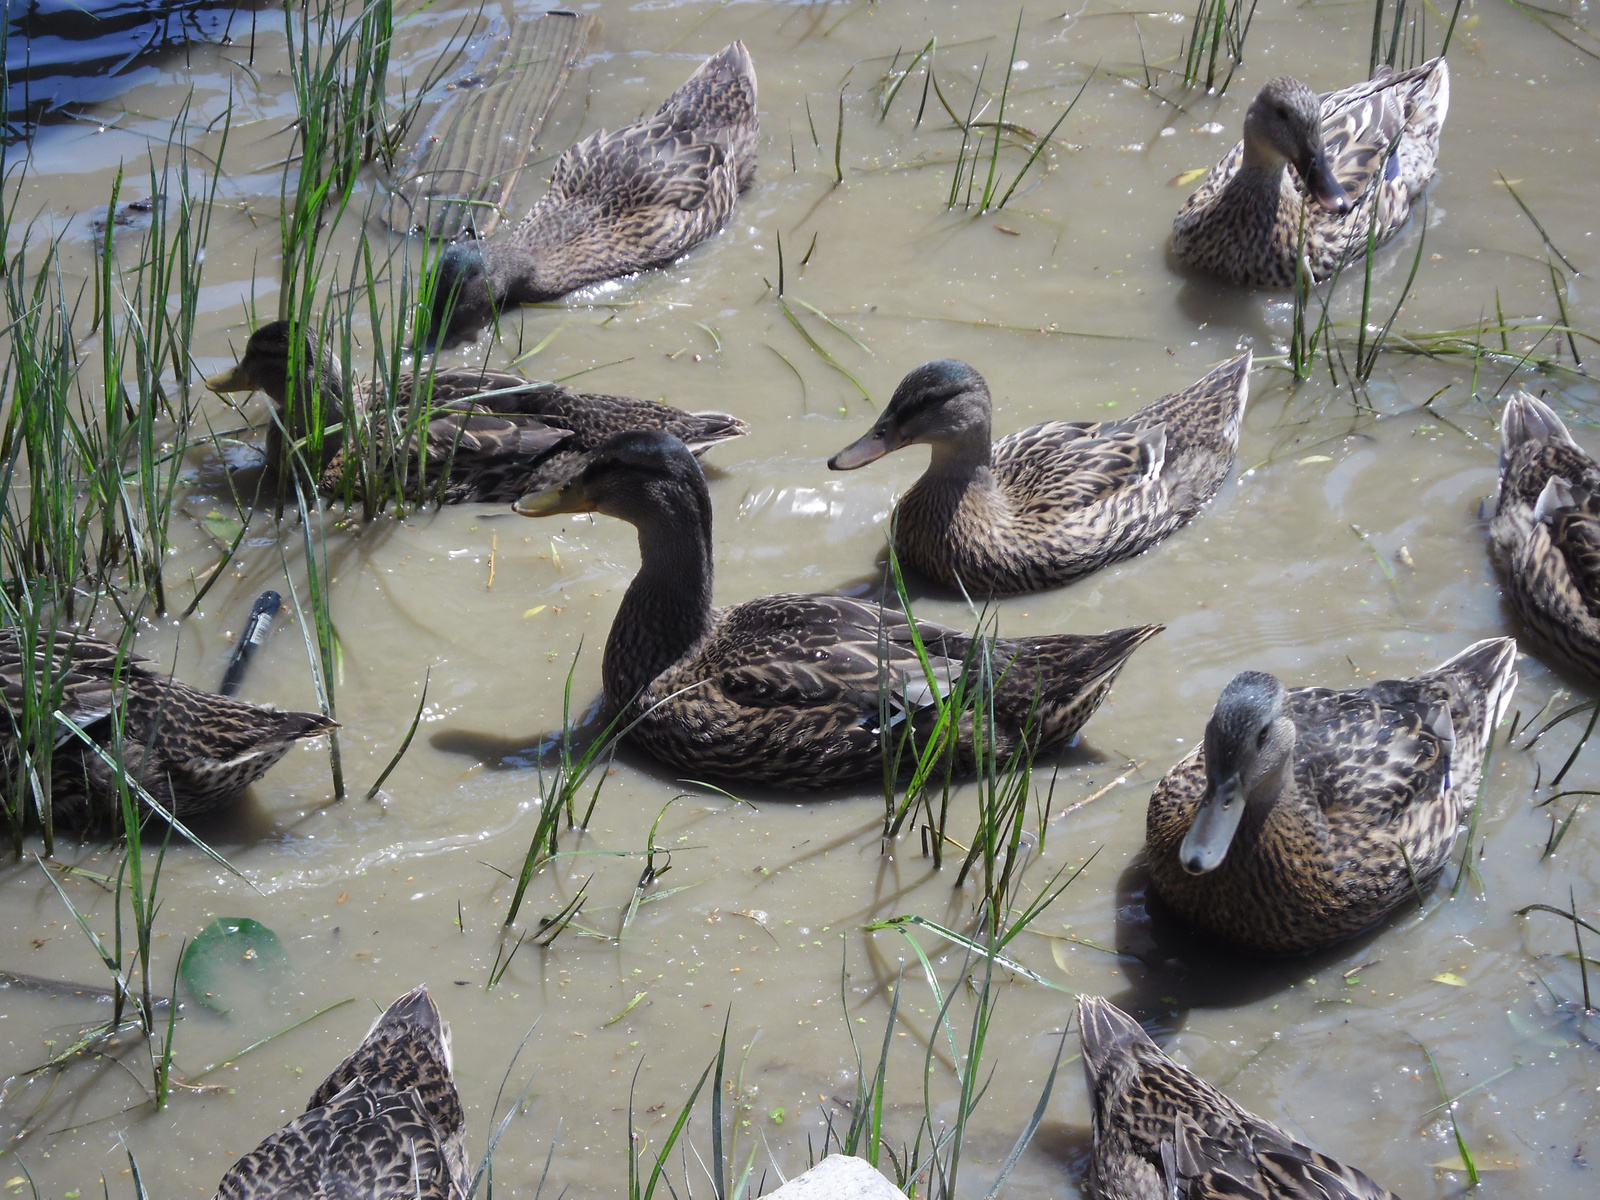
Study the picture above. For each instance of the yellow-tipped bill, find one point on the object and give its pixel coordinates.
(234, 379)
(567, 499)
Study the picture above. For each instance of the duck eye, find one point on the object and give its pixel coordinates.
(1283, 113)
(1261, 738)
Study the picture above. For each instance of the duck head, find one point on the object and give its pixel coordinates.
(463, 297)
(264, 367)
(1284, 124)
(944, 404)
(1249, 750)
(645, 477)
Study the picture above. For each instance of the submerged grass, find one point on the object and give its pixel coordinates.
(1215, 46)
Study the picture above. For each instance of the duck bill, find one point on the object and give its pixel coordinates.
(569, 498)
(234, 379)
(868, 448)
(1324, 188)
(1216, 820)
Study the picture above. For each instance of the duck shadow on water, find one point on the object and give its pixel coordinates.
(1173, 969)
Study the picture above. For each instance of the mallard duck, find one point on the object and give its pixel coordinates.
(1163, 1133)
(192, 751)
(497, 434)
(794, 690)
(1546, 530)
(619, 202)
(386, 1125)
(1372, 144)
(1309, 814)
(1049, 504)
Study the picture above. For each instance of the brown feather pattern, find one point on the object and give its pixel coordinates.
(1546, 531)
(1245, 224)
(193, 751)
(1369, 815)
(385, 1125)
(1163, 1133)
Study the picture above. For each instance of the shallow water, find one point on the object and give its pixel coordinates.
(1348, 546)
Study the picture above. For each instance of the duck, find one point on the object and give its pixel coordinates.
(619, 202)
(1328, 172)
(1546, 531)
(1163, 1133)
(192, 751)
(387, 1124)
(1307, 815)
(492, 437)
(798, 691)
(1054, 502)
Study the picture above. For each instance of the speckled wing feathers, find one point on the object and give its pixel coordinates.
(1161, 1132)
(387, 1124)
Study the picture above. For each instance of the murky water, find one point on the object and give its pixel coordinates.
(1349, 546)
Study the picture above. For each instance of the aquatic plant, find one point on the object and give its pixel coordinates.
(1216, 36)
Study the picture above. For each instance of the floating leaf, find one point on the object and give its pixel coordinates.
(534, 611)
(1451, 978)
(223, 527)
(1189, 176)
(230, 951)
(1314, 458)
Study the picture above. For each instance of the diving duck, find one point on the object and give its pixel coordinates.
(192, 751)
(493, 436)
(1163, 1133)
(797, 690)
(1049, 504)
(1546, 530)
(1361, 156)
(619, 202)
(1308, 814)
(386, 1125)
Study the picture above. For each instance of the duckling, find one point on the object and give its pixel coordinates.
(797, 690)
(1309, 814)
(1546, 530)
(1163, 1133)
(1361, 156)
(1052, 503)
(492, 437)
(619, 202)
(386, 1125)
(192, 751)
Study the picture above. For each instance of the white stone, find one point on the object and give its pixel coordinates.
(839, 1177)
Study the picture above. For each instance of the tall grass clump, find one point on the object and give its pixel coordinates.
(1400, 33)
(1215, 45)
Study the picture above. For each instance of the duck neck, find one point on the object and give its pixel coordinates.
(317, 400)
(1260, 177)
(667, 608)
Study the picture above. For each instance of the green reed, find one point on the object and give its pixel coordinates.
(1216, 43)
(1400, 33)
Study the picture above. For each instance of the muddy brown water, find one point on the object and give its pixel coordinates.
(1347, 547)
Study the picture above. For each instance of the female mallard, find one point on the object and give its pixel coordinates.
(795, 690)
(1546, 530)
(1052, 503)
(493, 436)
(1163, 1133)
(1307, 815)
(619, 202)
(1363, 154)
(386, 1125)
(192, 751)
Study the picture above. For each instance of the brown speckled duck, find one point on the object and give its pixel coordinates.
(1546, 530)
(386, 1125)
(1372, 144)
(493, 435)
(192, 751)
(1163, 1133)
(1308, 814)
(1047, 505)
(619, 202)
(794, 690)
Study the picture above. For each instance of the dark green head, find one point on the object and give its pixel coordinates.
(463, 298)
(944, 402)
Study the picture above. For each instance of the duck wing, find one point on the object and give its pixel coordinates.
(1065, 465)
(1369, 756)
(1571, 514)
(1362, 124)
(719, 100)
(81, 669)
(663, 162)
